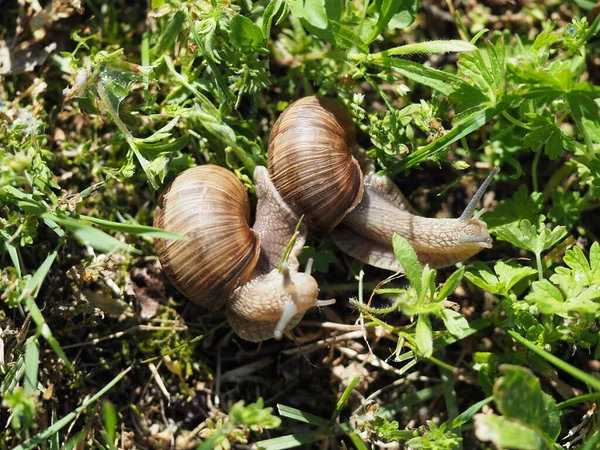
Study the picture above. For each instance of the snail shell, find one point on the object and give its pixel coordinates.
(311, 164)
(209, 205)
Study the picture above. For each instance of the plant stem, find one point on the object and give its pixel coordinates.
(540, 267)
(594, 383)
(534, 170)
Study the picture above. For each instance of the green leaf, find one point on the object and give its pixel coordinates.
(313, 11)
(439, 80)
(500, 281)
(109, 414)
(254, 416)
(135, 229)
(271, 11)
(506, 433)
(545, 132)
(428, 47)
(519, 396)
(464, 127)
(245, 34)
(468, 413)
(455, 323)
(168, 37)
(292, 440)
(512, 211)
(450, 285)
(343, 399)
(395, 13)
(342, 36)
(408, 260)
(88, 234)
(526, 236)
(424, 336)
(302, 416)
(32, 361)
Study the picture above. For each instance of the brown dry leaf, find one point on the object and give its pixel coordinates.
(55, 11)
(25, 57)
(148, 287)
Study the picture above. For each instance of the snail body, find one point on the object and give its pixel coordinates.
(375, 211)
(224, 261)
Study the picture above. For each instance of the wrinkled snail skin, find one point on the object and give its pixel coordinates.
(376, 213)
(273, 302)
(224, 261)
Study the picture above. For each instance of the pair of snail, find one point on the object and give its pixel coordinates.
(311, 172)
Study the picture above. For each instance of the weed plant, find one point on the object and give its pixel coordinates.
(103, 103)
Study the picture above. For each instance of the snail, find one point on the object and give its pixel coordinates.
(224, 262)
(311, 163)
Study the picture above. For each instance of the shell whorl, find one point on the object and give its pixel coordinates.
(209, 205)
(311, 164)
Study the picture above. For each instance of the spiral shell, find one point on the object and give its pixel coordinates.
(209, 205)
(311, 164)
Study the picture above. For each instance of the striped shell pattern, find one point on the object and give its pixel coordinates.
(315, 171)
(209, 205)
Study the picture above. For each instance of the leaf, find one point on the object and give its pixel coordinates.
(424, 336)
(506, 433)
(462, 128)
(504, 277)
(271, 11)
(302, 416)
(580, 274)
(450, 285)
(544, 132)
(88, 234)
(520, 206)
(135, 229)
(401, 11)
(519, 396)
(443, 82)
(408, 260)
(455, 323)
(168, 37)
(550, 300)
(32, 361)
(428, 47)
(313, 11)
(526, 236)
(245, 34)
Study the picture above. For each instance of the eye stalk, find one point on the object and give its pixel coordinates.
(468, 212)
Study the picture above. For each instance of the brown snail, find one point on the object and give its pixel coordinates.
(311, 163)
(224, 261)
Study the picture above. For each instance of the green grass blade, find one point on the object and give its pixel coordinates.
(468, 413)
(301, 416)
(32, 361)
(135, 229)
(472, 123)
(291, 440)
(343, 399)
(34, 441)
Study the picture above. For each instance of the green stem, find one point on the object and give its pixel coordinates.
(579, 399)
(593, 382)
(534, 170)
(540, 267)
(443, 365)
(515, 121)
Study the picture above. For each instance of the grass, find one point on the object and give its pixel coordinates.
(99, 350)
